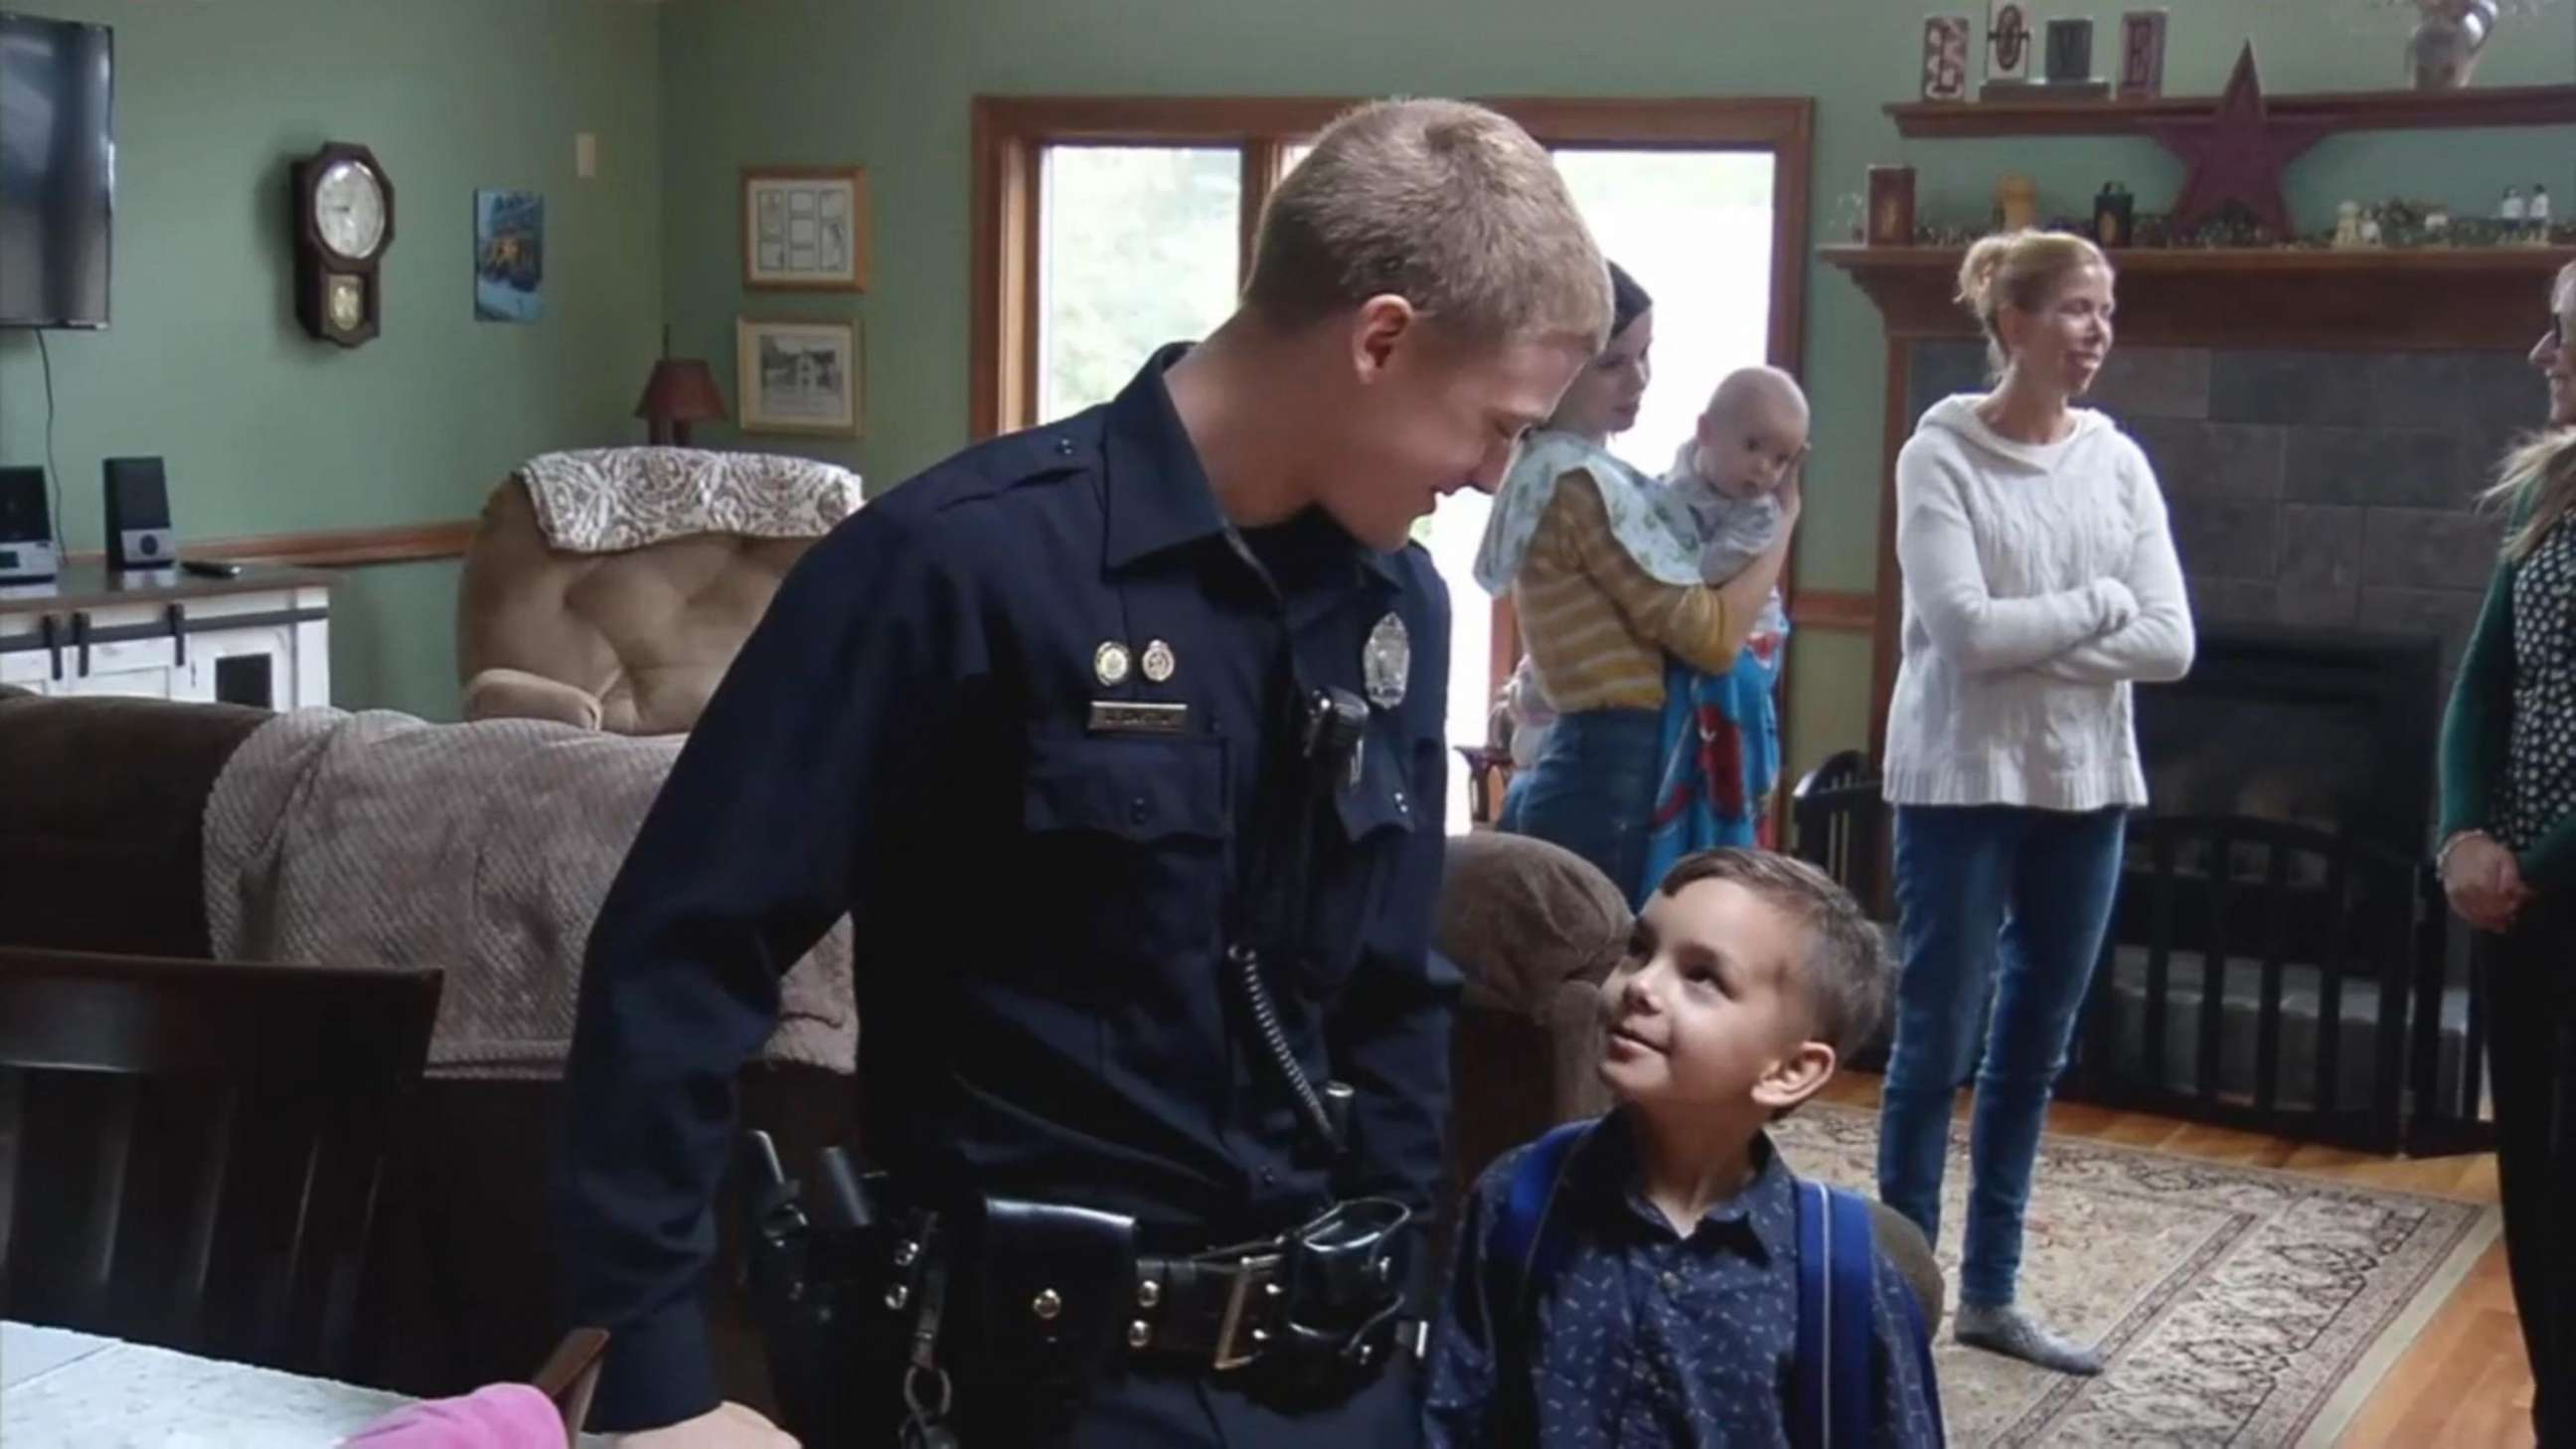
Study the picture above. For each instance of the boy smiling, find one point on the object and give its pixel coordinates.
(1670, 1309)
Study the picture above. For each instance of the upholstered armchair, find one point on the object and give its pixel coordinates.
(612, 588)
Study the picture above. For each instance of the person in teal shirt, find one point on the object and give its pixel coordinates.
(2508, 857)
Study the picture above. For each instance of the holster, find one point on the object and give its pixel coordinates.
(1343, 1277)
(817, 1274)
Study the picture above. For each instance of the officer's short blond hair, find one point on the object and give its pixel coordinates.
(1447, 205)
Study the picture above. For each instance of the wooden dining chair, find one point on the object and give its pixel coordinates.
(571, 1375)
(199, 1154)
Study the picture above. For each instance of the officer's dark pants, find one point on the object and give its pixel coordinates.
(1179, 1411)
(2532, 995)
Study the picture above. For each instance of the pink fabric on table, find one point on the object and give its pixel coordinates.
(496, 1416)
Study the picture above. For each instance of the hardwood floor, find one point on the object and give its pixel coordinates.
(2464, 1383)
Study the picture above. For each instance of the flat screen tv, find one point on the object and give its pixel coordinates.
(57, 170)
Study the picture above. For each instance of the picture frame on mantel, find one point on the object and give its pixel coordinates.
(805, 228)
(2142, 55)
(1945, 57)
(797, 375)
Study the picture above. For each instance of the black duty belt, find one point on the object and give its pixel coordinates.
(1058, 1290)
(1043, 1298)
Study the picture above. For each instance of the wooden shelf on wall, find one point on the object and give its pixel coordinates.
(2338, 110)
(342, 547)
(2432, 298)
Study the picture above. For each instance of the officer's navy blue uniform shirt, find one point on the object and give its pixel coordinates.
(1645, 1338)
(1040, 909)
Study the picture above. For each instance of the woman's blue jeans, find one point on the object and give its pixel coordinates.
(1592, 790)
(2013, 899)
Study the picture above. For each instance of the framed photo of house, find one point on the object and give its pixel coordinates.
(805, 228)
(797, 376)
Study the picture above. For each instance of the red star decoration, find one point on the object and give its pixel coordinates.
(2237, 154)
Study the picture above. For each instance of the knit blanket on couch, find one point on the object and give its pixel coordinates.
(608, 500)
(484, 848)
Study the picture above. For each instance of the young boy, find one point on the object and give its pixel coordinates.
(1658, 1300)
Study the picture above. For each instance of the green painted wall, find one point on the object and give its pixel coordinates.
(265, 430)
(887, 85)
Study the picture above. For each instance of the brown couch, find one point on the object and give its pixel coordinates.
(629, 642)
(1535, 929)
(100, 806)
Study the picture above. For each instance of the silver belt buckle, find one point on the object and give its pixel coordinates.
(1228, 1356)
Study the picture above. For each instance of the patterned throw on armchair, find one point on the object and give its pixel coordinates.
(611, 588)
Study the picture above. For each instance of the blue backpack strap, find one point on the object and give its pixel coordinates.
(1921, 1337)
(1523, 1251)
(1831, 1382)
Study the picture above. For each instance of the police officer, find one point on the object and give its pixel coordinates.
(1120, 742)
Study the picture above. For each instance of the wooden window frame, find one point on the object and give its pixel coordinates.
(1011, 134)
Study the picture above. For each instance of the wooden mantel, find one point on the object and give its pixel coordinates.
(2405, 110)
(2427, 300)
(2423, 298)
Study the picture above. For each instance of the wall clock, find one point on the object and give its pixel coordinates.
(343, 223)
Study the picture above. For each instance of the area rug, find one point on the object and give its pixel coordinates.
(2237, 1305)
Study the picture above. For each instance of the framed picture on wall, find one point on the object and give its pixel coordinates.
(797, 376)
(509, 255)
(805, 228)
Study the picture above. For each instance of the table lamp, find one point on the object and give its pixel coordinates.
(681, 391)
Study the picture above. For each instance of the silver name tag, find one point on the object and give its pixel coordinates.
(1123, 717)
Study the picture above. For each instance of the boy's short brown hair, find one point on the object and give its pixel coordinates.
(1845, 975)
(1447, 205)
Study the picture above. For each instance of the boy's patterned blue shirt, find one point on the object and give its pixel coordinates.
(1646, 1337)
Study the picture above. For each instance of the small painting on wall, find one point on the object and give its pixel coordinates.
(509, 255)
(805, 229)
(797, 376)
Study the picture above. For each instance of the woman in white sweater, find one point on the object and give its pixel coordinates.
(2040, 582)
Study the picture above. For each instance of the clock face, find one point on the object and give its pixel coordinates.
(349, 209)
(347, 303)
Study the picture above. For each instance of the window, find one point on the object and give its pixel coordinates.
(1137, 248)
(1105, 227)
(1690, 226)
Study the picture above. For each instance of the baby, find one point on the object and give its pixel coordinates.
(1722, 495)
(1721, 498)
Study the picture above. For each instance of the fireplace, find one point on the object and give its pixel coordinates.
(2331, 729)
(2274, 914)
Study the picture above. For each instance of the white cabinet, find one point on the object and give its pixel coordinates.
(262, 638)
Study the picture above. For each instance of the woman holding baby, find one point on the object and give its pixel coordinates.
(2040, 583)
(1605, 567)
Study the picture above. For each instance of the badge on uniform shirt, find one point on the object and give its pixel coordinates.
(1385, 662)
(1109, 662)
(1158, 662)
